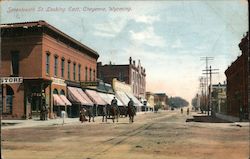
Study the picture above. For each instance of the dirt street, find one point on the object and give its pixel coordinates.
(163, 135)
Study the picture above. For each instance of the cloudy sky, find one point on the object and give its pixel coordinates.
(168, 37)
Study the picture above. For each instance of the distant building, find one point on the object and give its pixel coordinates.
(237, 82)
(161, 100)
(150, 100)
(132, 74)
(219, 98)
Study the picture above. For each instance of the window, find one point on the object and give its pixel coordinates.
(47, 63)
(74, 71)
(94, 75)
(62, 92)
(62, 67)
(68, 70)
(86, 73)
(120, 76)
(15, 63)
(56, 66)
(9, 99)
(79, 72)
(90, 74)
(55, 91)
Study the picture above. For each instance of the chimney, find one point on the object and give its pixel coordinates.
(130, 60)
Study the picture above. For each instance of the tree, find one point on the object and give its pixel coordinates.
(177, 102)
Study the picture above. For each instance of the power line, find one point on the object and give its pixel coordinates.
(206, 79)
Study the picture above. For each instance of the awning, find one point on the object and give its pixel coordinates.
(95, 97)
(135, 100)
(109, 97)
(76, 95)
(57, 100)
(84, 96)
(122, 97)
(65, 100)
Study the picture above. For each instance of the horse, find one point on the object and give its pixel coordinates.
(131, 113)
(90, 113)
(105, 110)
(114, 112)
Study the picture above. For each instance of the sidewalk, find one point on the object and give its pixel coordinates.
(11, 124)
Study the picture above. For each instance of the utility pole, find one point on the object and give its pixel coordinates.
(206, 81)
(210, 72)
(202, 99)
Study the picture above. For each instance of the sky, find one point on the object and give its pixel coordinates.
(168, 37)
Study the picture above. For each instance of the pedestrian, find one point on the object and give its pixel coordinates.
(187, 111)
(181, 111)
(82, 117)
(241, 114)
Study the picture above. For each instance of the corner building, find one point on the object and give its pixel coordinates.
(49, 61)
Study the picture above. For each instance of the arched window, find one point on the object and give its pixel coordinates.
(62, 92)
(55, 91)
(9, 99)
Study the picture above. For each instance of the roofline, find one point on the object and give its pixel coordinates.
(44, 23)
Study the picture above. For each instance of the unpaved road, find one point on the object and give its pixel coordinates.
(163, 135)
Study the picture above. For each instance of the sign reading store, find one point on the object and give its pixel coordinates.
(9, 80)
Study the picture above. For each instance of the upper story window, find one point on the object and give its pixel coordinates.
(74, 71)
(62, 67)
(86, 73)
(68, 70)
(94, 75)
(56, 66)
(79, 72)
(90, 74)
(47, 62)
(15, 63)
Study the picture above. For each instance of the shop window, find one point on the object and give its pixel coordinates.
(9, 99)
(15, 63)
(55, 91)
(62, 92)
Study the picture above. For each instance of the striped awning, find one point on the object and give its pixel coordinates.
(95, 97)
(65, 100)
(57, 100)
(76, 95)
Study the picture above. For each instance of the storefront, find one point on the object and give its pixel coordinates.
(78, 99)
(98, 101)
(124, 93)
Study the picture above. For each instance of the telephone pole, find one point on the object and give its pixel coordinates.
(209, 72)
(206, 81)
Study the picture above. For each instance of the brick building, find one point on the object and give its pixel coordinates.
(161, 101)
(237, 82)
(49, 62)
(128, 73)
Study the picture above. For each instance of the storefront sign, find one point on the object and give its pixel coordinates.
(58, 81)
(8, 80)
(89, 84)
